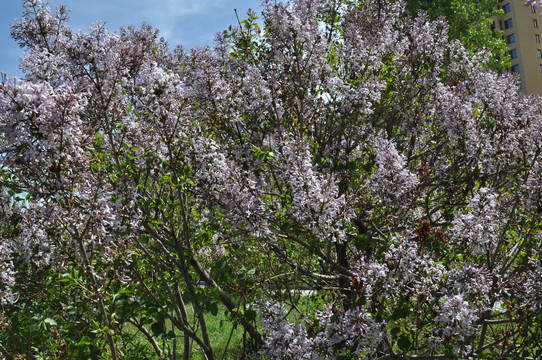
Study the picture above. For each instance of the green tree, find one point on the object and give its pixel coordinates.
(469, 21)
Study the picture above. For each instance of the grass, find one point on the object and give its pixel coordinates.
(222, 336)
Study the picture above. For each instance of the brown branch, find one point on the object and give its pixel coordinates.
(227, 301)
(148, 335)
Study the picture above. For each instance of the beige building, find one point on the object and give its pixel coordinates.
(522, 26)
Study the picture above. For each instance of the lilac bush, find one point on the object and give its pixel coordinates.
(337, 145)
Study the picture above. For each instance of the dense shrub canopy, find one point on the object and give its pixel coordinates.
(336, 145)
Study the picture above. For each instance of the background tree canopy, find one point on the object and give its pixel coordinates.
(470, 22)
(152, 198)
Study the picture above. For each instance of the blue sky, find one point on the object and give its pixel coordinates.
(187, 22)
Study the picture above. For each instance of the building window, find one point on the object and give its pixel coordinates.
(513, 53)
(537, 38)
(541, 68)
(506, 8)
(508, 24)
(515, 69)
(539, 53)
(535, 23)
(533, 9)
(511, 38)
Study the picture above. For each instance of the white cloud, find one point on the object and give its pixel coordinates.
(187, 22)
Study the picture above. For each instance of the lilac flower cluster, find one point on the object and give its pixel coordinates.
(222, 181)
(480, 228)
(339, 330)
(316, 202)
(7, 277)
(455, 317)
(533, 284)
(392, 180)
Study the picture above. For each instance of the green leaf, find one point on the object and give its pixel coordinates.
(157, 328)
(400, 312)
(213, 308)
(405, 342)
(85, 340)
(50, 322)
(250, 315)
(106, 330)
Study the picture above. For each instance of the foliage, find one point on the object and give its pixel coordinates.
(470, 22)
(337, 145)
